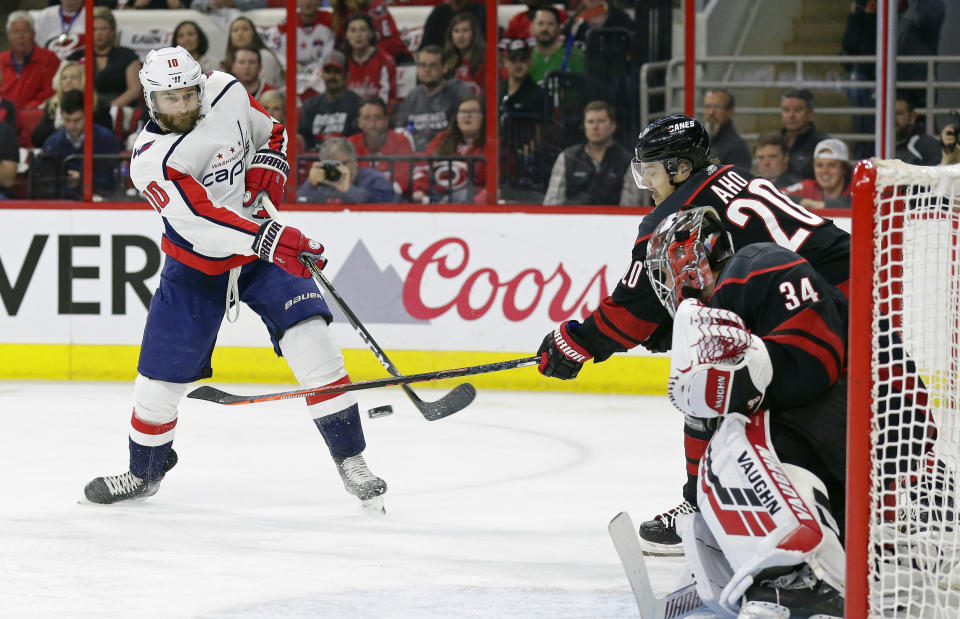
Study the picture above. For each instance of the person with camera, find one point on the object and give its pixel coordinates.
(337, 178)
(913, 145)
(948, 141)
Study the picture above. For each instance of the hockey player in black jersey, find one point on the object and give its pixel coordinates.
(758, 354)
(672, 161)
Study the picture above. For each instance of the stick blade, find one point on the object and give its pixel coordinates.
(212, 394)
(454, 401)
(625, 540)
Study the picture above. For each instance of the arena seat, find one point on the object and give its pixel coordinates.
(27, 120)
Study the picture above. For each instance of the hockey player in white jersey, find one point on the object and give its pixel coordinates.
(205, 159)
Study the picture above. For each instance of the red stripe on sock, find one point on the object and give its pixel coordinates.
(323, 397)
(152, 429)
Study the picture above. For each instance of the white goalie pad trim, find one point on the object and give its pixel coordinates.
(709, 346)
(758, 515)
(711, 571)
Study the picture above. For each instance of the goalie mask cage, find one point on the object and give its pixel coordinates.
(903, 540)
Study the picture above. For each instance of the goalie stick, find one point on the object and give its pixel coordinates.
(679, 603)
(212, 394)
(456, 400)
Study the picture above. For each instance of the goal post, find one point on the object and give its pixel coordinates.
(903, 439)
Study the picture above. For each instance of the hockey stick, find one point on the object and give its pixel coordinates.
(212, 394)
(452, 402)
(456, 400)
(677, 604)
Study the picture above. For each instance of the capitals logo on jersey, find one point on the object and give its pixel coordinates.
(227, 167)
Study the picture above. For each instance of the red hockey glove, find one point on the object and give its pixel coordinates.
(267, 176)
(285, 246)
(561, 356)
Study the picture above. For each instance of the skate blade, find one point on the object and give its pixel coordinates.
(374, 506)
(653, 549)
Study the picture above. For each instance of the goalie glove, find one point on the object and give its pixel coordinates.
(716, 366)
(267, 175)
(285, 247)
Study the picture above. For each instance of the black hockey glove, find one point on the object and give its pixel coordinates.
(561, 355)
(660, 339)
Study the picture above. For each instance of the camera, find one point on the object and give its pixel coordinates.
(331, 170)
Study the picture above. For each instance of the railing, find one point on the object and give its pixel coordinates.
(47, 177)
(671, 91)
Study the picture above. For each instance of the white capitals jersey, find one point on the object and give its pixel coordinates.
(195, 180)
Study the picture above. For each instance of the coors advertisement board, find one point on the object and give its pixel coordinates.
(429, 281)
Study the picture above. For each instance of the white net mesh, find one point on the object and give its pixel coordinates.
(914, 558)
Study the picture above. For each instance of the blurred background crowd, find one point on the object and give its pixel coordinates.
(391, 95)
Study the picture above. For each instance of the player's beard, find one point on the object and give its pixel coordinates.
(179, 123)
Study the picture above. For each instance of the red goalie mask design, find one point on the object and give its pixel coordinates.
(683, 252)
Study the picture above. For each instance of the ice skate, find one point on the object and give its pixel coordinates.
(797, 594)
(658, 537)
(361, 483)
(125, 487)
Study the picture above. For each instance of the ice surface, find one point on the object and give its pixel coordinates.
(498, 511)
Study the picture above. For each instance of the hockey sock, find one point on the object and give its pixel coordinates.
(315, 358)
(696, 436)
(148, 462)
(342, 432)
(152, 425)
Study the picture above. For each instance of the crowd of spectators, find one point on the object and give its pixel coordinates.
(405, 109)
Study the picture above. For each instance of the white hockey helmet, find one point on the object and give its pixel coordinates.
(169, 68)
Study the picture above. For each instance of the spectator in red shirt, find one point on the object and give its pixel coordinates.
(370, 72)
(519, 26)
(464, 46)
(831, 170)
(376, 138)
(26, 70)
(389, 43)
(459, 182)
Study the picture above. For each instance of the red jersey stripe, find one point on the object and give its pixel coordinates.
(201, 263)
(628, 324)
(199, 202)
(741, 280)
(605, 328)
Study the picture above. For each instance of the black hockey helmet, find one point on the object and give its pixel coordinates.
(672, 138)
(684, 251)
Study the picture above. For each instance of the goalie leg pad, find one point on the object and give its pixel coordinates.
(315, 358)
(764, 514)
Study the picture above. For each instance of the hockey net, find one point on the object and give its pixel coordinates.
(903, 538)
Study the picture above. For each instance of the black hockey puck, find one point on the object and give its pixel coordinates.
(380, 411)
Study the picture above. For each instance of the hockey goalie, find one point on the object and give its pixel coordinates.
(758, 355)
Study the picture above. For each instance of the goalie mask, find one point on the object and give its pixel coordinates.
(173, 88)
(683, 253)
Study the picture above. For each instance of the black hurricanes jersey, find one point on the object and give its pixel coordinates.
(801, 318)
(754, 211)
